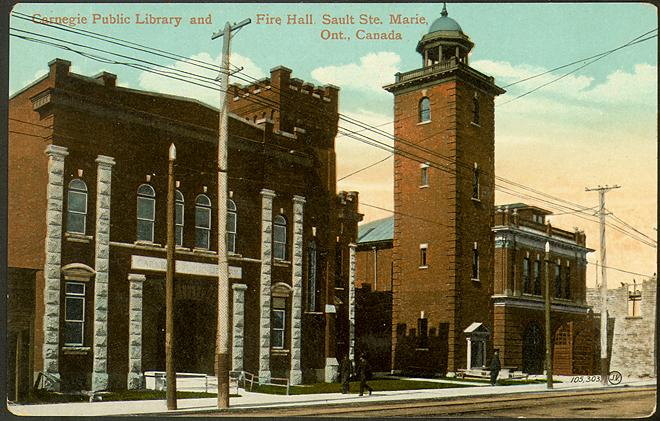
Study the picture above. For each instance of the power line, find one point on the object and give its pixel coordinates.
(620, 270)
(347, 133)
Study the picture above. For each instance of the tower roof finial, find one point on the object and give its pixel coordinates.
(444, 9)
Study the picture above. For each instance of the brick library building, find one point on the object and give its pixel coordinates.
(465, 277)
(87, 232)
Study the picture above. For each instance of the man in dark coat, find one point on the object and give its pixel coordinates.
(345, 371)
(495, 367)
(364, 371)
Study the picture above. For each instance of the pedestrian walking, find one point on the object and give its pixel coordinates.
(364, 371)
(345, 371)
(495, 367)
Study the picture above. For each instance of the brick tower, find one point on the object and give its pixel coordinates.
(443, 199)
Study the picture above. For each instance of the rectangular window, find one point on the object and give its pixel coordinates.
(567, 283)
(231, 232)
(475, 182)
(423, 255)
(76, 211)
(202, 227)
(74, 314)
(145, 219)
(475, 262)
(279, 323)
(423, 329)
(424, 175)
(311, 277)
(279, 242)
(178, 232)
(527, 281)
(537, 277)
(558, 292)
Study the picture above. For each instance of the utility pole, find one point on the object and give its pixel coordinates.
(548, 331)
(170, 371)
(222, 350)
(604, 369)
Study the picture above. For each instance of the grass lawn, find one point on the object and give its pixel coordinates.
(41, 396)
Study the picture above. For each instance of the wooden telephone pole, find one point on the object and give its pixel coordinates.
(223, 352)
(170, 371)
(604, 369)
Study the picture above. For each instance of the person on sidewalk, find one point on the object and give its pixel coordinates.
(345, 371)
(364, 371)
(495, 367)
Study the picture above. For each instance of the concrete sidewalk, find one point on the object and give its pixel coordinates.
(259, 400)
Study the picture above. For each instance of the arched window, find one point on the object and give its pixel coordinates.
(424, 109)
(76, 216)
(279, 238)
(146, 213)
(231, 226)
(475, 110)
(202, 222)
(179, 209)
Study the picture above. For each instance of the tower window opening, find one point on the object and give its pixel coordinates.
(475, 110)
(424, 110)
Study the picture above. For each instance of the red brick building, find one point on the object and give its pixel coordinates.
(453, 301)
(443, 201)
(520, 265)
(87, 230)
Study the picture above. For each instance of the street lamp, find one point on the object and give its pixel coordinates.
(548, 344)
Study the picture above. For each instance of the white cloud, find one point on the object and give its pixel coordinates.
(372, 72)
(620, 87)
(162, 84)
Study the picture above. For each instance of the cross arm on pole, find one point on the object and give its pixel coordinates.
(232, 28)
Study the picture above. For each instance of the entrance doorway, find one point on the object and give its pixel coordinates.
(194, 337)
(533, 350)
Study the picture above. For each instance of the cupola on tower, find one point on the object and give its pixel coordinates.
(443, 201)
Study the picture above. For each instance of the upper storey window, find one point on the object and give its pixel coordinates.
(475, 110)
(178, 231)
(76, 206)
(279, 237)
(146, 213)
(424, 110)
(202, 222)
(231, 226)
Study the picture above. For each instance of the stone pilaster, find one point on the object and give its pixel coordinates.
(54, 209)
(238, 332)
(135, 378)
(295, 376)
(102, 267)
(351, 300)
(265, 282)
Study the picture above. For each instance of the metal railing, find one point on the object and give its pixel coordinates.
(245, 377)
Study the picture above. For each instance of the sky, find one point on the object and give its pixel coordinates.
(595, 126)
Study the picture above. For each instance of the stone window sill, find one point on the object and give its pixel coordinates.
(424, 267)
(424, 186)
(278, 351)
(204, 251)
(476, 199)
(233, 255)
(421, 123)
(181, 248)
(76, 350)
(475, 124)
(421, 349)
(148, 244)
(76, 237)
(281, 263)
(476, 280)
(314, 312)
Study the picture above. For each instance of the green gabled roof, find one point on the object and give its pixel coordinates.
(379, 230)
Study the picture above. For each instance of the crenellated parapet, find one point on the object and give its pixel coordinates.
(291, 104)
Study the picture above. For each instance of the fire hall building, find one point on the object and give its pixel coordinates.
(457, 279)
(87, 231)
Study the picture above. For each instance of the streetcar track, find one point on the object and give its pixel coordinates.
(451, 405)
